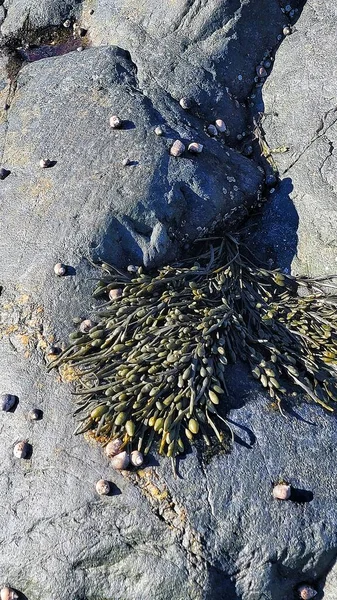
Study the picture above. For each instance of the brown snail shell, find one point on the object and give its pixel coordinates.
(158, 130)
(113, 447)
(21, 449)
(212, 130)
(185, 103)
(7, 402)
(177, 148)
(120, 461)
(195, 148)
(136, 458)
(116, 293)
(220, 125)
(115, 122)
(45, 163)
(60, 269)
(86, 325)
(282, 491)
(103, 487)
(8, 593)
(306, 592)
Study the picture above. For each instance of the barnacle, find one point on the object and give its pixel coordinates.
(154, 365)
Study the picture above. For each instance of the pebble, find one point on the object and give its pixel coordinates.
(60, 269)
(286, 30)
(45, 163)
(220, 125)
(177, 148)
(4, 173)
(212, 130)
(185, 103)
(158, 130)
(21, 449)
(306, 592)
(261, 71)
(115, 122)
(8, 401)
(103, 487)
(126, 162)
(282, 491)
(8, 593)
(116, 293)
(35, 414)
(195, 148)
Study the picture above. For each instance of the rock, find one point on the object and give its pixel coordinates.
(121, 215)
(302, 90)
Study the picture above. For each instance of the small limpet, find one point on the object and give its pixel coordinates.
(45, 163)
(212, 130)
(35, 414)
(158, 130)
(185, 103)
(220, 125)
(195, 148)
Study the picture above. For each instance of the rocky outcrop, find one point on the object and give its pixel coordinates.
(214, 532)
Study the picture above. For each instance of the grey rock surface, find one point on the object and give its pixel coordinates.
(139, 213)
(214, 533)
(300, 103)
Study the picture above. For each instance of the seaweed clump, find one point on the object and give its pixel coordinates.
(154, 365)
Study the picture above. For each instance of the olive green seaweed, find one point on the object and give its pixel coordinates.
(154, 365)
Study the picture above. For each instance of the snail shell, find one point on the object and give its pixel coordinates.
(212, 130)
(66, 24)
(116, 293)
(306, 592)
(115, 122)
(86, 325)
(21, 449)
(286, 30)
(195, 148)
(136, 458)
(185, 103)
(113, 448)
(45, 163)
(177, 148)
(120, 461)
(4, 173)
(132, 269)
(261, 72)
(8, 593)
(103, 487)
(220, 125)
(60, 269)
(282, 491)
(126, 162)
(35, 414)
(158, 130)
(8, 401)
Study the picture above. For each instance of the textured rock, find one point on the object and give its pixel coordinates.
(300, 104)
(215, 532)
(61, 110)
